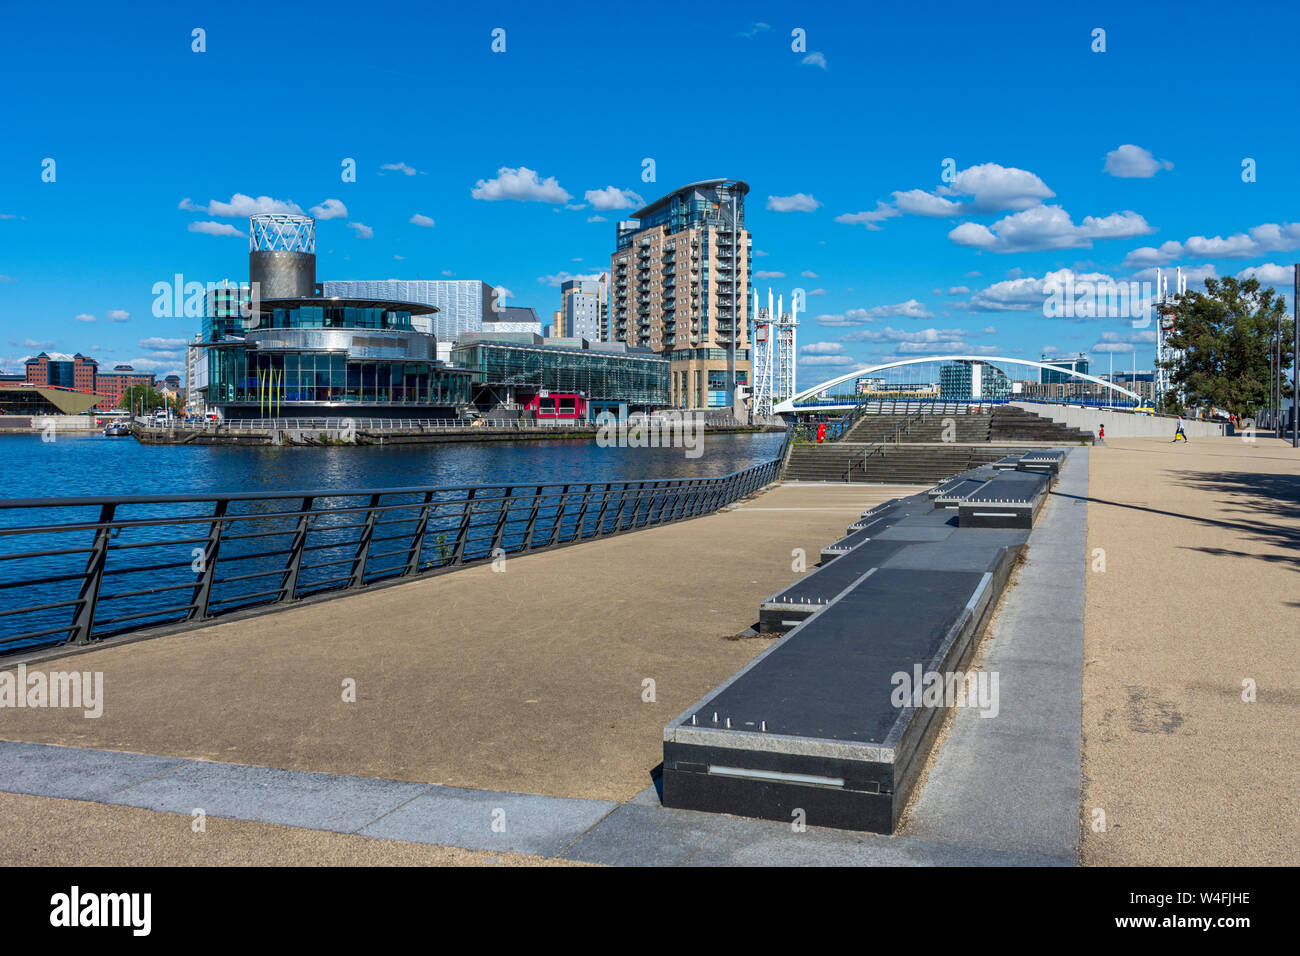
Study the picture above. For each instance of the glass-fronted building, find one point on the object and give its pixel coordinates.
(460, 306)
(1047, 376)
(973, 380)
(318, 358)
(515, 369)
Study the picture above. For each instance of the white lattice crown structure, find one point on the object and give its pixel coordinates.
(277, 232)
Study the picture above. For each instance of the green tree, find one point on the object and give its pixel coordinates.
(1225, 335)
(139, 399)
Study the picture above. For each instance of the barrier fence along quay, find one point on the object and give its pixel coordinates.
(77, 570)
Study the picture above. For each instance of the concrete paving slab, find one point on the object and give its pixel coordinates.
(488, 820)
(739, 842)
(1014, 781)
(318, 801)
(73, 772)
(635, 835)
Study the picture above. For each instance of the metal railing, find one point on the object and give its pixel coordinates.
(81, 569)
(896, 433)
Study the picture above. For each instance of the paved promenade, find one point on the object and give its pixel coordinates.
(1201, 592)
(519, 699)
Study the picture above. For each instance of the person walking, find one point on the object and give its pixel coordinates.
(1180, 430)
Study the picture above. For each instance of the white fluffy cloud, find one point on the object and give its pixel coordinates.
(765, 274)
(362, 230)
(1134, 162)
(984, 188)
(162, 345)
(1258, 240)
(611, 197)
(330, 209)
(214, 229)
(814, 59)
(242, 206)
(1047, 227)
(522, 185)
(918, 202)
(420, 219)
(870, 218)
(1271, 274)
(118, 315)
(562, 277)
(1124, 342)
(993, 188)
(402, 168)
(911, 309)
(920, 341)
(822, 348)
(799, 202)
(84, 317)
(1028, 293)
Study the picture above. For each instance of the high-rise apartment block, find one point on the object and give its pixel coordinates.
(582, 308)
(679, 284)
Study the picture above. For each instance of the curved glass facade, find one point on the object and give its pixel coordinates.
(242, 376)
(334, 317)
(637, 379)
(304, 358)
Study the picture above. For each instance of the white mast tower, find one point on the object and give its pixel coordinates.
(764, 340)
(1165, 321)
(774, 352)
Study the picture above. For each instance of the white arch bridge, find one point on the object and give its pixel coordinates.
(800, 401)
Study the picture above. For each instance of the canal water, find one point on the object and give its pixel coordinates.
(93, 465)
(152, 568)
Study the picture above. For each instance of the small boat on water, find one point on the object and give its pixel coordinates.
(117, 430)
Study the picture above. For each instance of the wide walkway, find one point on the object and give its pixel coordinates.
(535, 679)
(1198, 603)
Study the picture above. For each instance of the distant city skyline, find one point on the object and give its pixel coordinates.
(924, 177)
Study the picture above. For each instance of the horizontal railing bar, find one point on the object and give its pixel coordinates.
(135, 617)
(51, 553)
(247, 577)
(40, 607)
(244, 597)
(158, 590)
(31, 635)
(147, 567)
(317, 493)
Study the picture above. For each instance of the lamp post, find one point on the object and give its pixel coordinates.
(1295, 360)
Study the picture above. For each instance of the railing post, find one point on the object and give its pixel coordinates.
(207, 574)
(558, 526)
(582, 513)
(417, 539)
(622, 505)
(358, 577)
(502, 513)
(532, 519)
(83, 622)
(680, 497)
(604, 505)
(701, 496)
(289, 583)
(458, 553)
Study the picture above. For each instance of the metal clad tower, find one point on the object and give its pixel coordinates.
(282, 256)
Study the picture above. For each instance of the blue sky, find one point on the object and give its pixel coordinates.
(1100, 163)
